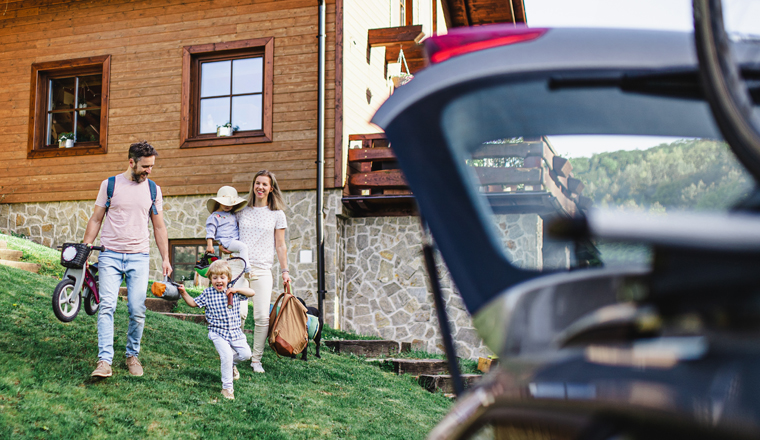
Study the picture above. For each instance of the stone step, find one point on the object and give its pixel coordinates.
(364, 348)
(29, 267)
(443, 382)
(160, 305)
(415, 367)
(200, 319)
(10, 255)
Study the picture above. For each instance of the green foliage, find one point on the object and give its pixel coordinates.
(686, 174)
(46, 390)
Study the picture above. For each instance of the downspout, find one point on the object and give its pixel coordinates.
(321, 163)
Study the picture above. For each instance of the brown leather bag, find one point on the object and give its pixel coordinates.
(288, 332)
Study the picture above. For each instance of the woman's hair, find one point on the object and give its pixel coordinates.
(219, 267)
(274, 200)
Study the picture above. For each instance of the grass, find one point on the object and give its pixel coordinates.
(46, 390)
(48, 259)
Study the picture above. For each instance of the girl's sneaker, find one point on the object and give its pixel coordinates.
(235, 373)
(228, 394)
(257, 367)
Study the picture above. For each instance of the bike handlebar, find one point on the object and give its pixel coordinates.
(94, 248)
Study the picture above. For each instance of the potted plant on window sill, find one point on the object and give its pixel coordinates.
(225, 130)
(66, 140)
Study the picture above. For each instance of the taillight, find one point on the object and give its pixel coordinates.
(461, 41)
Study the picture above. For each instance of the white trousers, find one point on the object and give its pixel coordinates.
(261, 301)
(230, 353)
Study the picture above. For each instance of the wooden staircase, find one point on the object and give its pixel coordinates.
(10, 257)
(165, 308)
(432, 374)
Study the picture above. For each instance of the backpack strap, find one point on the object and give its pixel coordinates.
(109, 191)
(153, 195)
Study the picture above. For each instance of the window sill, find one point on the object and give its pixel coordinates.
(214, 141)
(84, 150)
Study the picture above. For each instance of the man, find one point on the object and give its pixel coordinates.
(126, 238)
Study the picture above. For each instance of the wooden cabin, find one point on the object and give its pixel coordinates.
(107, 73)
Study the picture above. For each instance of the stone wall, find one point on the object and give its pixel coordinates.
(375, 278)
(387, 290)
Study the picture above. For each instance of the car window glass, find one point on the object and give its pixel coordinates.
(527, 181)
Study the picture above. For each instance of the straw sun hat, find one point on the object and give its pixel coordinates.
(227, 196)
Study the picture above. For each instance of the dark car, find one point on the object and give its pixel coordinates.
(647, 324)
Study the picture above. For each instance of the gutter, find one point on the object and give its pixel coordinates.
(321, 163)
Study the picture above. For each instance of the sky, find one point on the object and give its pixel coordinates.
(741, 16)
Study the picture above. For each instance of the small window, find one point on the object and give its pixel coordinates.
(227, 84)
(69, 99)
(183, 254)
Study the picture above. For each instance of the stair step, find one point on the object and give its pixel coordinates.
(200, 319)
(29, 267)
(416, 367)
(160, 305)
(443, 382)
(364, 348)
(10, 255)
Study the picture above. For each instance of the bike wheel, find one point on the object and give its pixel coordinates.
(90, 306)
(725, 89)
(66, 302)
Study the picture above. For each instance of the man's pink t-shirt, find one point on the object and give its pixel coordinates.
(125, 226)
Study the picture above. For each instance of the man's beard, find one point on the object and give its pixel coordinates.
(139, 178)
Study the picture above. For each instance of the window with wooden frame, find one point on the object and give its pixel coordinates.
(69, 99)
(227, 84)
(183, 254)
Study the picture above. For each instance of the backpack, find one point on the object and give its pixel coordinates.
(153, 194)
(288, 333)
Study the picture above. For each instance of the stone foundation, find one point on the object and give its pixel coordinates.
(375, 278)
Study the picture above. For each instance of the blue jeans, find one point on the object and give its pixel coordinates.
(112, 268)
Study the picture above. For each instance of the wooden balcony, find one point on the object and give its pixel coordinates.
(394, 39)
(375, 186)
(516, 178)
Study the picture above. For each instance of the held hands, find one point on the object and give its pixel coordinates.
(210, 250)
(167, 267)
(285, 278)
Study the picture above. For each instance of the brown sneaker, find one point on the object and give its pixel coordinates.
(135, 369)
(235, 373)
(228, 394)
(103, 369)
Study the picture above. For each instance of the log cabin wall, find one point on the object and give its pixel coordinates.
(145, 40)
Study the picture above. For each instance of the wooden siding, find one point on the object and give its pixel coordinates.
(145, 41)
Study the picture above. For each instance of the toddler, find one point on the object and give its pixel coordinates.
(223, 322)
(222, 225)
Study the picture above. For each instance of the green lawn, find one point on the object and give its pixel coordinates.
(46, 390)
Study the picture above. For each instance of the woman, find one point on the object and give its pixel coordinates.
(262, 227)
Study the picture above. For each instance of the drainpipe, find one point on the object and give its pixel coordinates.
(321, 163)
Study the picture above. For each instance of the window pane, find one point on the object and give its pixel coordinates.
(88, 126)
(60, 123)
(90, 88)
(215, 79)
(62, 93)
(183, 272)
(247, 75)
(185, 254)
(246, 112)
(214, 112)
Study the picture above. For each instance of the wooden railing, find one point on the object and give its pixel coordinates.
(517, 177)
(374, 183)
